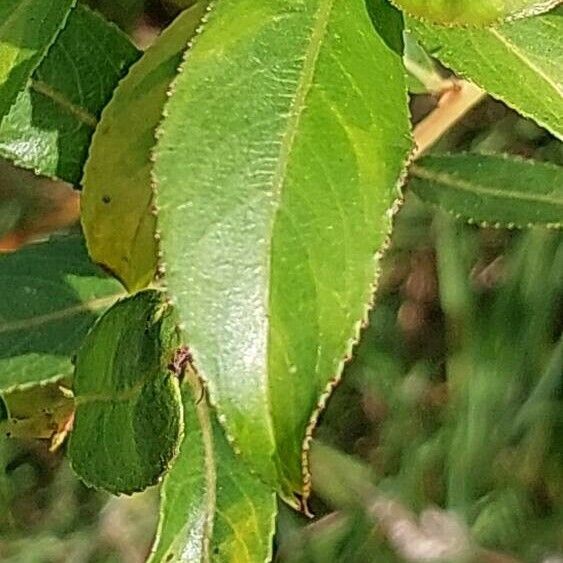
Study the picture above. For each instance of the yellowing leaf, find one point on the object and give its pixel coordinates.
(117, 179)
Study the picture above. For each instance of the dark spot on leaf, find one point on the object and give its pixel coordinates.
(215, 550)
(169, 557)
(106, 199)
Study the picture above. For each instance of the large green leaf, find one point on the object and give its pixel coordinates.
(277, 165)
(128, 420)
(212, 508)
(27, 28)
(117, 178)
(494, 190)
(52, 295)
(520, 63)
(51, 122)
(473, 12)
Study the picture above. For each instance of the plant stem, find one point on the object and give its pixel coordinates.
(452, 106)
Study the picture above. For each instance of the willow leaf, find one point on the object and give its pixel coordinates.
(117, 178)
(128, 420)
(27, 28)
(521, 62)
(277, 165)
(212, 508)
(55, 295)
(493, 190)
(470, 12)
(50, 123)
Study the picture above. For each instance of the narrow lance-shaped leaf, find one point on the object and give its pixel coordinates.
(492, 190)
(521, 62)
(53, 294)
(128, 420)
(212, 508)
(27, 28)
(49, 126)
(117, 178)
(277, 166)
(472, 12)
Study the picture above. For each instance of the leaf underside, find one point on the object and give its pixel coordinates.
(492, 190)
(128, 420)
(276, 167)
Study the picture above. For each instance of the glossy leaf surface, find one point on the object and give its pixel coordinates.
(277, 164)
(128, 420)
(27, 28)
(49, 127)
(212, 508)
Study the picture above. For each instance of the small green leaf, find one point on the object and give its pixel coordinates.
(212, 508)
(27, 28)
(128, 421)
(493, 190)
(473, 12)
(423, 74)
(521, 62)
(49, 126)
(53, 295)
(117, 178)
(277, 165)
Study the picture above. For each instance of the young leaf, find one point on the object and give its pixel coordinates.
(128, 421)
(277, 165)
(472, 12)
(521, 63)
(27, 28)
(494, 190)
(212, 508)
(49, 126)
(423, 75)
(117, 178)
(53, 294)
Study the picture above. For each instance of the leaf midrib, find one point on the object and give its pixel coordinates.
(474, 188)
(518, 53)
(204, 418)
(80, 113)
(320, 25)
(39, 320)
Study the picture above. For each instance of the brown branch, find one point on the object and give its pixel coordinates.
(452, 106)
